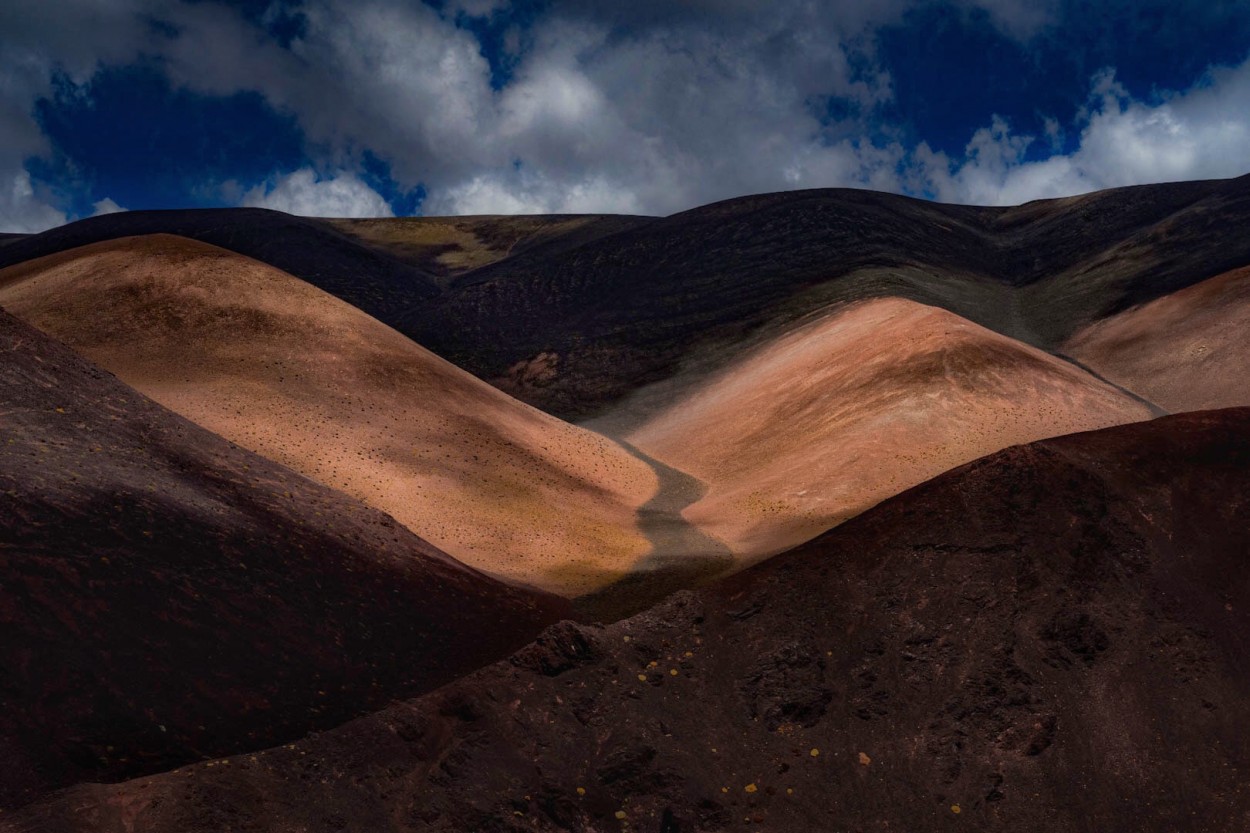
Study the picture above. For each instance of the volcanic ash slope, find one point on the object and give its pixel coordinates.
(1052, 638)
(1186, 351)
(166, 596)
(292, 373)
(820, 424)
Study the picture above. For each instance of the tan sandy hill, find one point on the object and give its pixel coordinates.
(824, 422)
(1186, 351)
(292, 373)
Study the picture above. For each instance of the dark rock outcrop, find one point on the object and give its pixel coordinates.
(1051, 638)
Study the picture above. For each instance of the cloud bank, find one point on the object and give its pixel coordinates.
(649, 107)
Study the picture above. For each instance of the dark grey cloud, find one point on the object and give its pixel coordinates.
(651, 106)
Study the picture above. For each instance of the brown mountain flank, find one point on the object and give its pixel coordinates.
(292, 373)
(859, 404)
(450, 246)
(166, 596)
(1186, 351)
(1050, 639)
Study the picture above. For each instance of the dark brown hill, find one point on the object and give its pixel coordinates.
(367, 278)
(575, 314)
(166, 596)
(296, 375)
(447, 247)
(1051, 638)
(691, 291)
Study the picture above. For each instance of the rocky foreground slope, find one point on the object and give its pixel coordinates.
(166, 596)
(1050, 638)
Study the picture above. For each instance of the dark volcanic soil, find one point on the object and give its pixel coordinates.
(372, 280)
(166, 596)
(1053, 638)
(447, 247)
(636, 307)
(574, 315)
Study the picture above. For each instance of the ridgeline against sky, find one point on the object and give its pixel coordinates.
(380, 107)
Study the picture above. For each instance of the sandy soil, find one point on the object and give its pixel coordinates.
(294, 374)
(1187, 351)
(166, 595)
(873, 398)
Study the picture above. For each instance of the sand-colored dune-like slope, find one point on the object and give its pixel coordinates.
(1187, 351)
(290, 372)
(824, 422)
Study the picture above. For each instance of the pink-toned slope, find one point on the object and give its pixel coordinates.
(833, 417)
(1188, 351)
(292, 373)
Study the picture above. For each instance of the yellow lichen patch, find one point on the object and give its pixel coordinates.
(955, 809)
(581, 790)
(750, 788)
(620, 814)
(864, 760)
(815, 753)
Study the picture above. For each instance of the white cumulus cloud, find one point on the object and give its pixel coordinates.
(105, 206)
(21, 210)
(303, 192)
(651, 106)
(1199, 133)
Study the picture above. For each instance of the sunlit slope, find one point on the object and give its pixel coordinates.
(1187, 351)
(828, 420)
(295, 374)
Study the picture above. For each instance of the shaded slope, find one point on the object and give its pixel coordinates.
(167, 596)
(575, 331)
(1050, 638)
(1186, 351)
(450, 246)
(857, 405)
(310, 249)
(601, 321)
(293, 373)
(583, 312)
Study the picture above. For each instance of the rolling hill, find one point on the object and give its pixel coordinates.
(577, 315)
(448, 247)
(1187, 351)
(366, 278)
(166, 596)
(293, 373)
(577, 332)
(859, 404)
(1049, 638)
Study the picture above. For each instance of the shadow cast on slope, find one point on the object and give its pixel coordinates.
(681, 554)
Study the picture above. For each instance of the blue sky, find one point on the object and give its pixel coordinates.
(382, 107)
